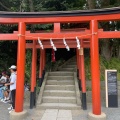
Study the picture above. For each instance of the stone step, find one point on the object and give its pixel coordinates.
(73, 60)
(60, 78)
(60, 74)
(69, 66)
(50, 99)
(61, 93)
(60, 87)
(60, 82)
(67, 69)
(118, 87)
(65, 106)
(59, 90)
(71, 63)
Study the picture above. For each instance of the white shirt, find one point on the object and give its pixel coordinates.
(13, 80)
(3, 79)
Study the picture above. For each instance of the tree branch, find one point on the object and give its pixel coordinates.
(4, 6)
(91, 4)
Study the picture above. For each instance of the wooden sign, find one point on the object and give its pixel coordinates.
(81, 51)
(111, 88)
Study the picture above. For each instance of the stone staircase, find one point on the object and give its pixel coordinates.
(70, 65)
(60, 89)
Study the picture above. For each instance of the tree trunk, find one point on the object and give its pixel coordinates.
(91, 4)
(105, 3)
(106, 49)
(31, 6)
(22, 6)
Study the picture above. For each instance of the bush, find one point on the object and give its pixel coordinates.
(114, 63)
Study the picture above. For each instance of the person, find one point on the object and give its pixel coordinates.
(2, 82)
(0, 76)
(6, 90)
(12, 86)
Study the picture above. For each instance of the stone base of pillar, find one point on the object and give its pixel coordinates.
(18, 115)
(92, 116)
(35, 96)
(84, 101)
(31, 100)
(40, 82)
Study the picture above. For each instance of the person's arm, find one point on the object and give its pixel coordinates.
(9, 84)
(13, 79)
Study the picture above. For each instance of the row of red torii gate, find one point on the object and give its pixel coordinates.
(73, 38)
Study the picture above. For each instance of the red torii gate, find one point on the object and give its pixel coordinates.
(91, 36)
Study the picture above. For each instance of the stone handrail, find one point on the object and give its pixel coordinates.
(39, 101)
(77, 89)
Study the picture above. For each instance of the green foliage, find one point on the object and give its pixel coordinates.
(41, 5)
(114, 63)
(8, 54)
(60, 5)
(88, 88)
(87, 68)
(46, 27)
(28, 65)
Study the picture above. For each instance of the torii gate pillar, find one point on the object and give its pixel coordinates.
(33, 76)
(41, 67)
(95, 74)
(83, 81)
(44, 62)
(19, 113)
